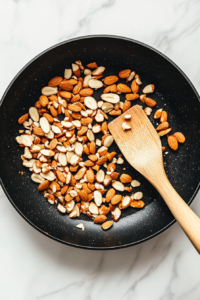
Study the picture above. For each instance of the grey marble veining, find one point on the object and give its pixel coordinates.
(35, 267)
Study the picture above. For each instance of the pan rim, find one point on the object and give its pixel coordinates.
(53, 47)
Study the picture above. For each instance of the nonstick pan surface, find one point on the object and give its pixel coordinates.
(173, 92)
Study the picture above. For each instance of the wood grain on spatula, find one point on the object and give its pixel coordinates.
(141, 146)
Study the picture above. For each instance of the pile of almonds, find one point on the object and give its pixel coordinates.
(73, 168)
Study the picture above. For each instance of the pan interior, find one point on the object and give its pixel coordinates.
(173, 93)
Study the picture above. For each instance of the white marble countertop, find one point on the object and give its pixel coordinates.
(35, 267)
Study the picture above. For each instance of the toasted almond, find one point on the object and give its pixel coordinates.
(92, 147)
(123, 88)
(100, 219)
(37, 178)
(172, 142)
(126, 202)
(98, 71)
(48, 117)
(83, 195)
(150, 102)
(148, 89)
(33, 112)
(135, 183)
(107, 107)
(97, 198)
(135, 87)
(61, 177)
(148, 111)
(137, 196)
(86, 121)
(55, 81)
(109, 80)
(125, 126)
(68, 73)
(61, 208)
(99, 117)
(23, 118)
(48, 91)
(90, 102)
(107, 225)
(110, 194)
(38, 131)
(111, 167)
(96, 128)
(100, 176)
(43, 186)
(77, 87)
(125, 178)
(53, 111)
(92, 65)
(116, 199)
(104, 127)
(116, 214)
(117, 185)
(164, 132)
(90, 175)
(102, 160)
(115, 112)
(125, 73)
(111, 88)
(163, 117)
(131, 97)
(93, 208)
(163, 126)
(86, 92)
(108, 141)
(112, 98)
(76, 70)
(180, 137)
(157, 114)
(95, 84)
(137, 204)
(126, 106)
(45, 126)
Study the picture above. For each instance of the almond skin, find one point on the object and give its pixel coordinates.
(55, 81)
(164, 132)
(74, 107)
(44, 185)
(180, 137)
(38, 131)
(172, 142)
(66, 95)
(125, 178)
(102, 160)
(116, 199)
(135, 87)
(86, 121)
(86, 92)
(163, 126)
(80, 173)
(123, 88)
(109, 80)
(150, 102)
(131, 97)
(22, 119)
(77, 87)
(43, 100)
(110, 194)
(53, 111)
(124, 73)
(100, 219)
(61, 177)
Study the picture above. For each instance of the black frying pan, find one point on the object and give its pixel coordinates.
(173, 91)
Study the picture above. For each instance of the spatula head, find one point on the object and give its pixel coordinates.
(140, 145)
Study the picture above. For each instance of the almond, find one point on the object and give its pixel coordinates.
(150, 102)
(164, 132)
(53, 111)
(116, 214)
(137, 204)
(124, 73)
(125, 178)
(111, 88)
(43, 100)
(104, 210)
(123, 88)
(157, 114)
(107, 225)
(102, 160)
(66, 86)
(109, 80)
(116, 199)
(126, 106)
(100, 219)
(38, 131)
(65, 95)
(163, 126)
(86, 92)
(77, 88)
(76, 70)
(23, 118)
(74, 107)
(90, 175)
(80, 173)
(110, 194)
(111, 167)
(44, 185)
(180, 137)
(92, 147)
(61, 177)
(48, 117)
(115, 112)
(92, 65)
(55, 81)
(53, 144)
(172, 142)
(98, 71)
(131, 97)
(163, 117)
(148, 89)
(83, 195)
(48, 91)
(135, 87)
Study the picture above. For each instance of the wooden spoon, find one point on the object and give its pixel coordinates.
(141, 146)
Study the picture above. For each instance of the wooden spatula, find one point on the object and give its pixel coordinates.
(141, 146)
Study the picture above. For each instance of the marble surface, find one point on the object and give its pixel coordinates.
(35, 267)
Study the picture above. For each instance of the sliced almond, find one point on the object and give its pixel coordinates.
(107, 107)
(127, 117)
(27, 153)
(62, 159)
(148, 89)
(70, 206)
(100, 175)
(148, 111)
(25, 140)
(97, 198)
(47, 152)
(37, 178)
(112, 98)
(126, 202)
(107, 225)
(49, 176)
(117, 185)
(81, 226)
(61, 208)
(95, 84)
(137, 196)
(98, 71)
(48, 90)
(93, 208)
(116, 214)
(135, 183)
(68, 73)
(44, 124)
(33, 112)
(125, 126)
(90, 102)
(90, 135)
(108, 141)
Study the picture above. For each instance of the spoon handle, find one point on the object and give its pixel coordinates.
(186, 218)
